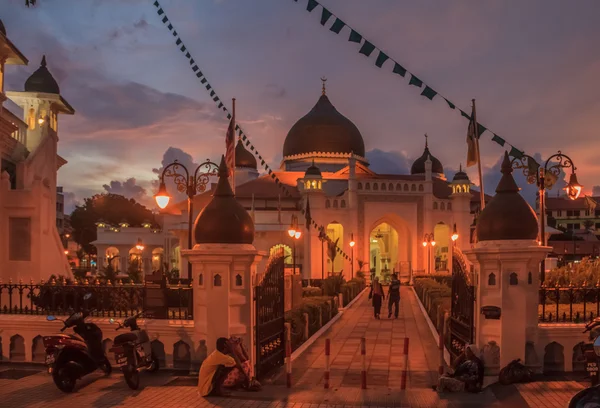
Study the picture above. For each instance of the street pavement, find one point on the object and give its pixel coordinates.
(27, 387)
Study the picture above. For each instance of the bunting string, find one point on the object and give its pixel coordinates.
(367, 48)
(241, 134)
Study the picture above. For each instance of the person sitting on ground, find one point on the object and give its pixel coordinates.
(468, 375)
(214, 370)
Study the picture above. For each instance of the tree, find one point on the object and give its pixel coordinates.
(110, 208)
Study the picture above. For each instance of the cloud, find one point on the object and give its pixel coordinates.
(128, 188)
(274, 91)
(389, 162)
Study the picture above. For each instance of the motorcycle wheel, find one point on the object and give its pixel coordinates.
(65, 377)
(105, 366)
(154, 365)
(132, 377)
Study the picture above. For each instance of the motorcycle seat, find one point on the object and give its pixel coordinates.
(137, 337)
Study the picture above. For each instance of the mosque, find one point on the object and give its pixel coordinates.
(385, 223)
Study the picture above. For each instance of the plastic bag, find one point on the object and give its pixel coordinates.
(515, 372)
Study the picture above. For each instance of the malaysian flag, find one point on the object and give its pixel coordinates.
(230, 148)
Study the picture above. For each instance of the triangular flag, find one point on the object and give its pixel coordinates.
(516, 153)
(165, 19)
(450, 104)
(325, 14)
(381, 59)
(178, 41)
(160, 12)
(498, 140)
(399, 69)
(367, 48)
(428, 93)
(355, 37)
(311, 5)
(480, 129)
(337, 26)
(415, 81)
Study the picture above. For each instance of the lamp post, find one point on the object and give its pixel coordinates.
(352, 243)
(295, 234)
(454, 236)
(545, 177)
(188, 184)
(429, 243)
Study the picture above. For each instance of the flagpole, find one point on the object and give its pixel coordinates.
(233, 170)
(476, 132)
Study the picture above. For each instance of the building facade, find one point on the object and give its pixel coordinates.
(30, 244)
(392, 219)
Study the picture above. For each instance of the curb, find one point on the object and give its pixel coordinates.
(309, 342)
(434, 332)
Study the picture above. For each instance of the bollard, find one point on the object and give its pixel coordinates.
(405, 371)
(363, 373)
(288, 355)
(327, 367)
(441, 344)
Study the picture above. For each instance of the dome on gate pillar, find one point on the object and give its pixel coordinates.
(507, 216)
(323, 130)
(42, 80)
(243, 158)
(224, 220)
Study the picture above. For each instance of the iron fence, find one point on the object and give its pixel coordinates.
(165, 301)
(569, 304)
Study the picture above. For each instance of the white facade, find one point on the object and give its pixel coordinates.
(30, 245)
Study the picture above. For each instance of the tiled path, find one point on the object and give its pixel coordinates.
(384, 349)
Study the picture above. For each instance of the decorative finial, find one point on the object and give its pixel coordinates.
(43, 64)
(426, 144)
(323, 90)
(460, 167)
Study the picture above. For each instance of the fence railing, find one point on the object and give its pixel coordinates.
(569, 304)
(165, 301)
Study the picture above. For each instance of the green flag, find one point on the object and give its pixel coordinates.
(498, 140)
(355, 37)
(415, 81)
(399, 69)
(325, 14)
(428, 93)
(516, 153)
(367, 48)
(311, 5)
(337, 26)
(381, 59)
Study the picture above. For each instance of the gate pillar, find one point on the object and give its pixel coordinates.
(506, 260)
(223, 268)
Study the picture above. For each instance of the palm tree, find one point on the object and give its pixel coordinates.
(331, 252)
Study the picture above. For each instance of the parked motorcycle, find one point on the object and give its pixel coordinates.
(133, 351)
(591, 351)
(70, 357)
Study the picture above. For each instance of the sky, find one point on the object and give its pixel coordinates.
(532, 67)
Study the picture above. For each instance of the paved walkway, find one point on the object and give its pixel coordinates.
(385, 339)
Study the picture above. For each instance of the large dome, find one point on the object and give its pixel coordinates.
(42, 80)
(507, 216)
(323, 130)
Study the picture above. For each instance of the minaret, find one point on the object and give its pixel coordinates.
(311, 187)
(461, 207)
(41, 103)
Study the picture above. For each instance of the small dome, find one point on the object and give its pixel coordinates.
(224, 220)
(418, 167)
(461, 176)
(312, 171)
(2, 28)
(507, 215)
(42, 80)
(243, 158)
(324, 130)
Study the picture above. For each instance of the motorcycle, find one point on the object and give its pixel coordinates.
(70, 357)
(133, 351)
(591, 352)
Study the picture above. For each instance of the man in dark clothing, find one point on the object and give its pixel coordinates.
(394, 296)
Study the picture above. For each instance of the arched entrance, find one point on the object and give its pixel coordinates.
(441, 256)
(335, 232)
(389, 250)
(287, 253)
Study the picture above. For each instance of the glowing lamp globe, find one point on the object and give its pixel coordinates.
(162, 197)
(573, 189)
(297, 234)
(352, 243)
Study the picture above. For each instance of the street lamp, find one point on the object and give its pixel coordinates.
(352, 243)
(295, 234)
(428, 242)
(545, 178)
(190, 185)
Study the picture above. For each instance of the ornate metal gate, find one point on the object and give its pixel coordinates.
(270, 316)
(462, 307)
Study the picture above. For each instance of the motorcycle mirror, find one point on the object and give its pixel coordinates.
(111, 320)
(50, 318)
(87, 296)
(597, 346)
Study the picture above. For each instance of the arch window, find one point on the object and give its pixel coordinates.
(201, 279)
(343, 204)
(31, 119)
(238, 280)
(529, 278)
(421, 188)
(492, 279)
(512, 279)
(360, 186)
(217, 280)
(435, 205)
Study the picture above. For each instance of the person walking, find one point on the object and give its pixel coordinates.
(394, 296)
(377, 296)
